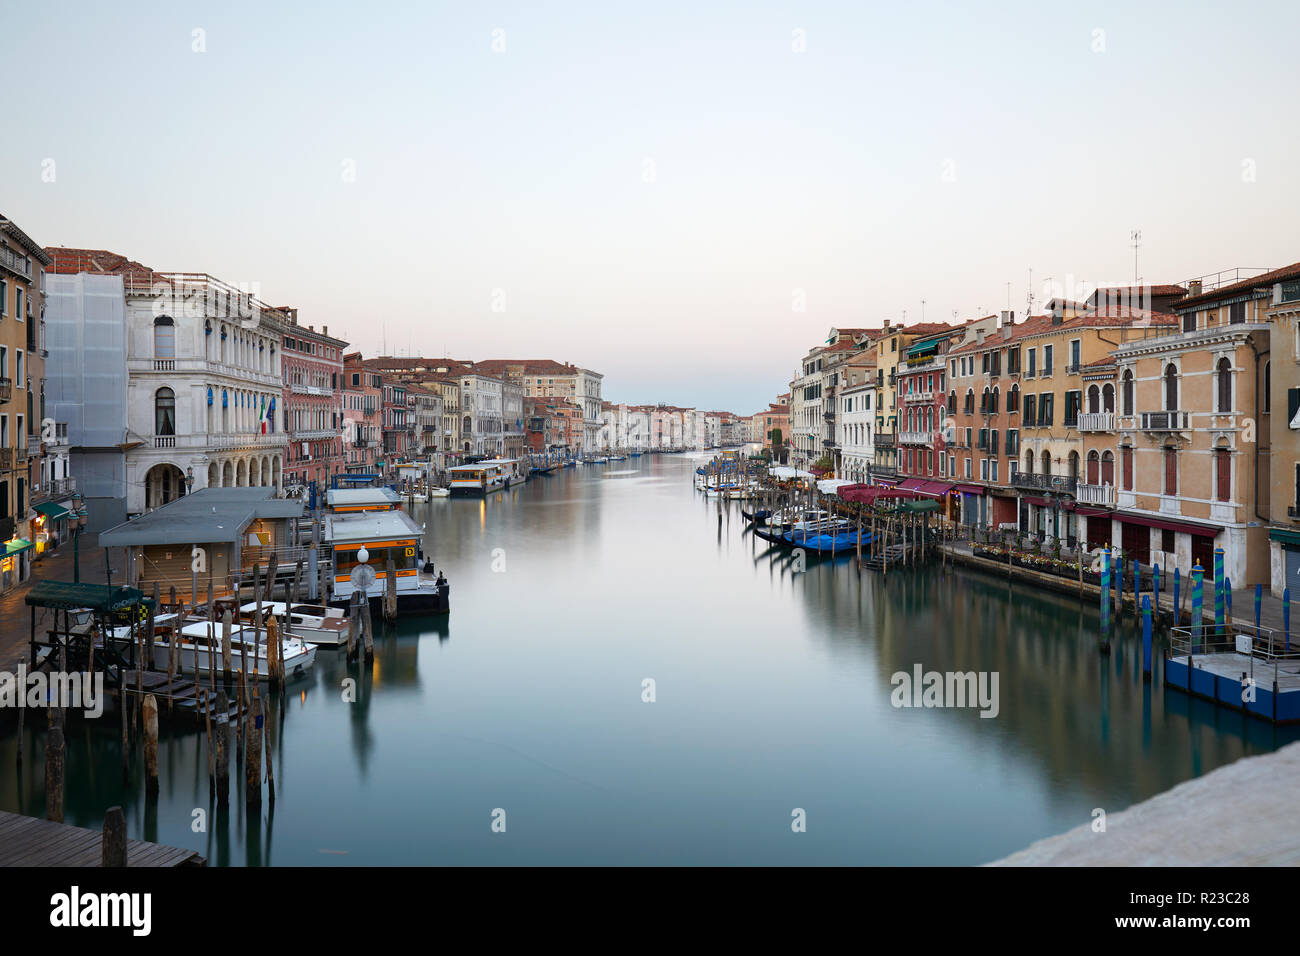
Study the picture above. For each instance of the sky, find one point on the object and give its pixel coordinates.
(685, 197)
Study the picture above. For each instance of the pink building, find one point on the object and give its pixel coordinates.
(312, 364)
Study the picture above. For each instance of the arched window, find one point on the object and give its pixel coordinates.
(1223, 474)
(970, 401)
(1171, 389)
(1074, 465)
(1108, 397)
(164, 338)
(952, 403)
(996, 394)
(1029, 461)
(1094, 468)
(1127, 386)
(1223, 378)
(1047, 462)
(1094, 400)
(1268, 386)
(1126, 460)
(1171, 471)
(164, 412)
(1108, 468)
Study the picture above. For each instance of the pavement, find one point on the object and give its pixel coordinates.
(1239, 815)
(15, 616)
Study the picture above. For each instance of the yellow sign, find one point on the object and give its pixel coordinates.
(410, 552)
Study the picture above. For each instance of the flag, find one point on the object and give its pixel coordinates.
(262, 415)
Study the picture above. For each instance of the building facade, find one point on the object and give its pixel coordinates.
(312, 368)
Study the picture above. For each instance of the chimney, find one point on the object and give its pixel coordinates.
(1194, 287)
(1006, 317)
(979, 336)
(886, 325)
(1058, 312)
(324, 330)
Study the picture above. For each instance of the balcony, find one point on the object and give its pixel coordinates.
(6, 459)
(884, 440)
(313, 434)
(164, 365)
(6, 389)
(912, 438)
(923, 397)
(34, 445)
(18, 265)
(1059, 484)
(365, 443)
(1096, 495)
(1164, 421)
(1096, 421)
(298, 388)
(54, 490)
(1072, 369)
(164, 441)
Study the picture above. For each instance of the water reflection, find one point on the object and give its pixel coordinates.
(773, 689)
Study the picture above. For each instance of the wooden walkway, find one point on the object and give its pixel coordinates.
(29, 841)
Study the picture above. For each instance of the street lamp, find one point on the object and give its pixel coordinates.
(79, 511)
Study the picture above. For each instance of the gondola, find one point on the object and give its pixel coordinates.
(758, 517)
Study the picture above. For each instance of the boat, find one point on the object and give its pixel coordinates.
(758, 517)
(314, 623)
(366, 526)
(617, 458)
(479, 479)
(598, 461)
(439, 493)
(247, 648)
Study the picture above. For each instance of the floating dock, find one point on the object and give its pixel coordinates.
(30, 841)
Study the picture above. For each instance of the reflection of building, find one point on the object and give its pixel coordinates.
(22, 396)
(202, 385)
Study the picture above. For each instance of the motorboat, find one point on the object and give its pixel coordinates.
(314, 623)
(247, 650)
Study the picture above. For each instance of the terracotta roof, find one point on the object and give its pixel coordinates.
(1113, 317)
(1153, 289)
(68, 261)
(1268, 278)
(530, 366)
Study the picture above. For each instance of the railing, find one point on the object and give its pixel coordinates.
(164, 441)
(1096, 421)
(1293, 512)
(54, 489)
(6, 458)
(884, 439)
(12, 261)
(1095, 495)
(1164, 421)
(240, 441)
(164, 365)
(1061, 484)
(914, 438)
(312, 434)
(299, 389)
(1072, 368)
(6, 389)
(919, 397)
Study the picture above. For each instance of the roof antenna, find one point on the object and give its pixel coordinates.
(1136, 238)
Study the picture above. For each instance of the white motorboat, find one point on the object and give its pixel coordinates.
(313, 623)
(247, 647)
(439, 492)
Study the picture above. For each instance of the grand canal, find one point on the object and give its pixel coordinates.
(771, 692)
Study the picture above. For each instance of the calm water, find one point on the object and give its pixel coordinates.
(773, 692)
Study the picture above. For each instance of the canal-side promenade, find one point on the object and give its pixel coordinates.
(15, 616)
(1243, 817)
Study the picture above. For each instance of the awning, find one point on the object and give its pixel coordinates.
(1170, 524)
(16, 546)
(1285, 535)
(970, 489)
(1041, 502)
(912, 484)
(1091, 512)
(934, 489)
(52, 510)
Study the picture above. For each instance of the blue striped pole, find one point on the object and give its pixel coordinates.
(1198, 604)
(1119, 583)
(1259, 601)
(1155, 586)
(1105, 588)
(1146, 638)
(1227, 599)
(1218, 589)
(1137, 580)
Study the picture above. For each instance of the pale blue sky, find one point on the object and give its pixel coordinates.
(526, 170)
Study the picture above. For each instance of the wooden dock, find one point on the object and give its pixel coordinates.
(30, 841)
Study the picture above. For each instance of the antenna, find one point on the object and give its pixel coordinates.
(1136, 238)
(1029, 296)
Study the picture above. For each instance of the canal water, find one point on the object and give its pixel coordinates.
(771, 694)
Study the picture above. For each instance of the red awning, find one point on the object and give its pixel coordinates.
(912, 484)
(1169, 524)
(1091, 512)
(970, 489)
(856, 492)
(935, 489)
(1041, 502)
